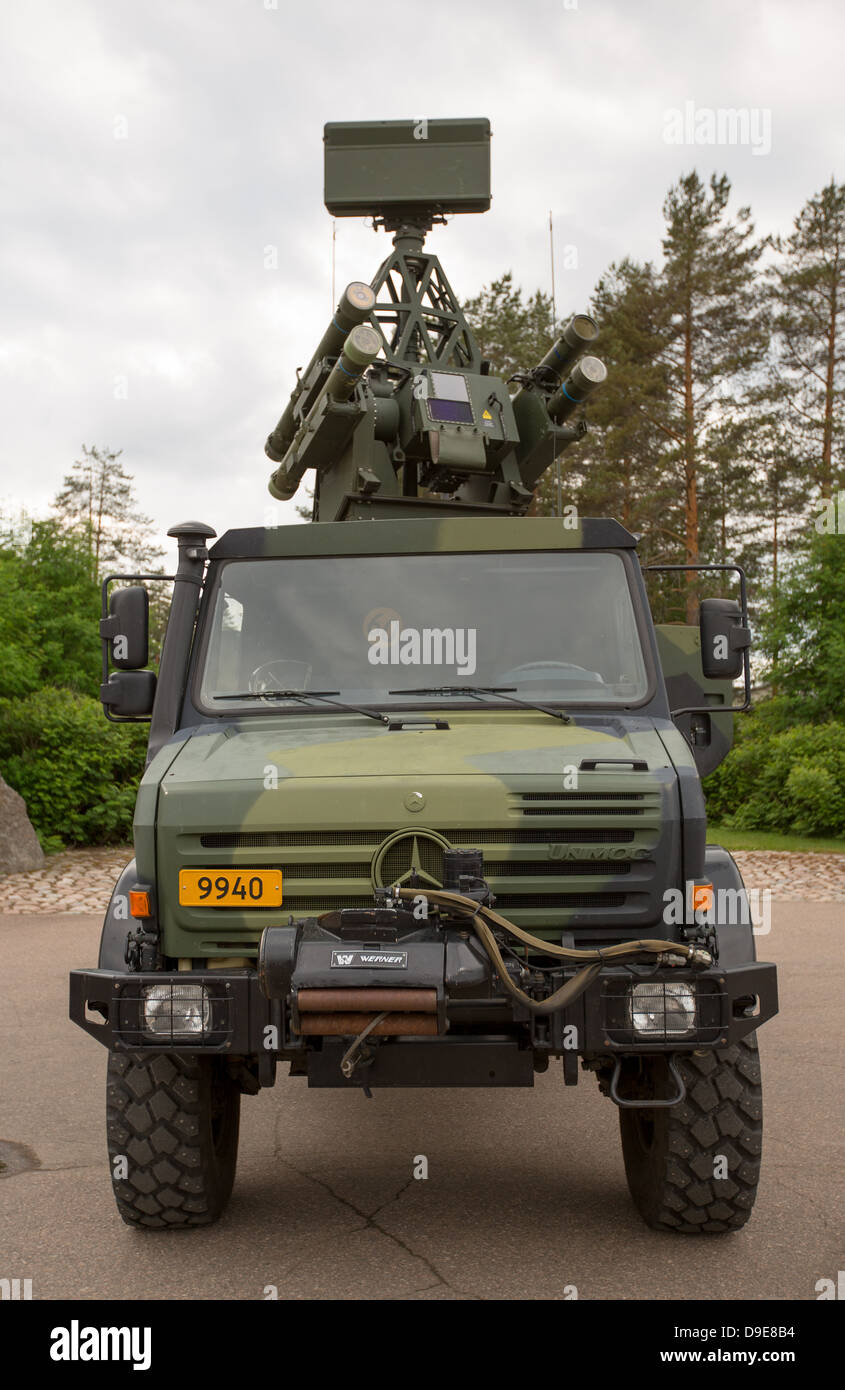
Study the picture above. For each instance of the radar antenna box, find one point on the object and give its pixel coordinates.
(400, 168)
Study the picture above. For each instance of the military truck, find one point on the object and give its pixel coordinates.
(422, 804)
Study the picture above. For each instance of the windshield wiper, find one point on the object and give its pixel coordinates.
(479, 690)
(303, 696)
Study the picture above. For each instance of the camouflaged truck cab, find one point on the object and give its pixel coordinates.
(422, 804)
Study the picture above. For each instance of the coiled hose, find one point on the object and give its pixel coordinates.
(480, 917)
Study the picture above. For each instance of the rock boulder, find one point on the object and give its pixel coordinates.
(19, 847)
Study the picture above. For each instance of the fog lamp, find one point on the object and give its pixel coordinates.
(662, 1008)
(170, 1009)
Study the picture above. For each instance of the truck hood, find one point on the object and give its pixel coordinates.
(579, 822)
(481, 743)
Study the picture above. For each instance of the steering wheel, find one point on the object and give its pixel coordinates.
(282, 674)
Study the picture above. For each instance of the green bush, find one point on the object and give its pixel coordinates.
(77, 773)
(782, 779)
(49, 607)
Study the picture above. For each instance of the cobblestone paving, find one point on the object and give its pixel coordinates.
(790, 876)
(77, 880)
(81, 880)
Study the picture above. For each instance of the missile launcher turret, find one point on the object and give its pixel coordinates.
(397, 412)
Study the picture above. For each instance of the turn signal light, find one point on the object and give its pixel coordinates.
(702, 897)
(139, 903)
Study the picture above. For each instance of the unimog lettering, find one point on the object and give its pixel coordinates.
(476, 855)
(596, 852)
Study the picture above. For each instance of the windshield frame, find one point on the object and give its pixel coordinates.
(462, 703)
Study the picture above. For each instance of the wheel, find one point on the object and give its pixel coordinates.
(694, 1167)
(173, 1119)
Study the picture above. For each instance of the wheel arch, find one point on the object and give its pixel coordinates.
(735, 938)
(117, 922)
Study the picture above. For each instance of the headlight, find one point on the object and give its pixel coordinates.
(663, 1009)
(170, 1009)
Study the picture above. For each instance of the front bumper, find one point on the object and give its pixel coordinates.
(242, 1021)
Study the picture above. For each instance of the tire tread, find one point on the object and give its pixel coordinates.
(155, 1117)
(722, 1113)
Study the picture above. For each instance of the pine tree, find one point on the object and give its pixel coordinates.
(715, 338)
(97, 503)
(807, 296)
(623, 469)
(622, 462)
(512, 332)
(769, 507)
(681, 345)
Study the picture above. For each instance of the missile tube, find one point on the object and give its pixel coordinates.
(586, 375)
(361, 348)
(575, 339)
(355, 306)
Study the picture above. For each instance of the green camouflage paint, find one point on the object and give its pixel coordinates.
(338, 790)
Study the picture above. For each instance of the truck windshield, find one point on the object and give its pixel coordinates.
(552, 626)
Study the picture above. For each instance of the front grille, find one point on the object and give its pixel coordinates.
(579, 811)
(582, 796)
(516, 868)
(282, 839)
(505, 902)
(509, 901)
(541, 873)
(333, 870)
(313, 905)
(300, 839)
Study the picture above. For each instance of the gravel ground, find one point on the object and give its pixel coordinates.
(81, 880)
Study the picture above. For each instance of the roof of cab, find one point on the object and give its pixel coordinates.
(424, 535)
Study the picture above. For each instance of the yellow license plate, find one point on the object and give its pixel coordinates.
(230, 887)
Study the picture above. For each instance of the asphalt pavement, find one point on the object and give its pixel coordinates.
(525, 1196)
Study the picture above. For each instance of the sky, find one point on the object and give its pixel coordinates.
(165, 256)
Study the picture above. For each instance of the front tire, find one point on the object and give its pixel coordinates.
(172, 1123)
(693, 1168)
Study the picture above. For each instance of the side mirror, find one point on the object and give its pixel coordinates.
(127, 628)
(129, 694)
(723, 638)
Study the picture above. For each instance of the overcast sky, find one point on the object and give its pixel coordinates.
(153, 151)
